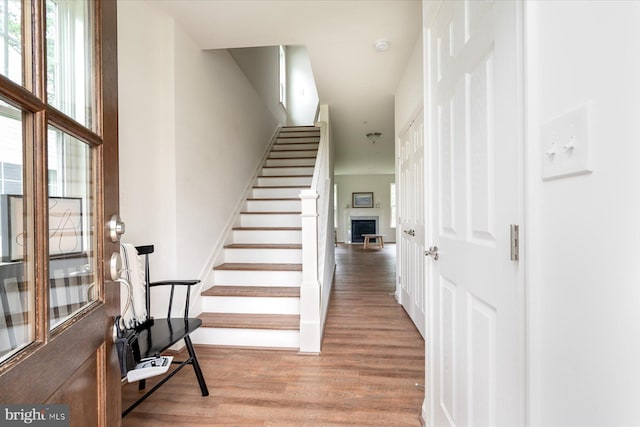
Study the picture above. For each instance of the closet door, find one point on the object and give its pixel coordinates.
(475, 346)
(411, 223)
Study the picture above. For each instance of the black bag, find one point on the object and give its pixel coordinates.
(127, 347)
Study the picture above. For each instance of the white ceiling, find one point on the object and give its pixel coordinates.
(356, 81)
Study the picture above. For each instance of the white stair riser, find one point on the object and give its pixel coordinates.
(293, 136)
(269, 193)
(257, 278)
(267, 236)
(251, 305)
(292, 153)
(296, 146)
(270, 220)
(247, 337)
(263, 256)
(298, 140)
(288, 180)
(300, 129)
(299, 134)
(273, 206)
(298, 170)
(291, 162)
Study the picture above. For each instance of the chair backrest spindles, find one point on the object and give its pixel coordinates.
(186, 304)
(173, 287)
(147, 294)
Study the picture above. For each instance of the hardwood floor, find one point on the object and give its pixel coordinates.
(372, 357)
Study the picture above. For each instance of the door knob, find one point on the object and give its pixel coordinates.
(116, 228)
(115, 266)
(432, 252)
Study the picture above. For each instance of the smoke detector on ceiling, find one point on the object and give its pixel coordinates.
(381, 45)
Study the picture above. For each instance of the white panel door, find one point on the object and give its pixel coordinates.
(475, 345)
(411, 222)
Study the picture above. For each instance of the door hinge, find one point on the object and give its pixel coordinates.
(515, 242)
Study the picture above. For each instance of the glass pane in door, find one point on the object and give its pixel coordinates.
(11, 39)
(72, 245)
(70, 50)
(17, 318)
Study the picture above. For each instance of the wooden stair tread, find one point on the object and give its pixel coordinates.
(268, 228)
(287, 166)
(272, 199)
(271, 213)
(253, 291)
(280, 186)
(288, 151)
(251, 321)
(247, 266)
(285, 176)
(291, 158)
(263, 246)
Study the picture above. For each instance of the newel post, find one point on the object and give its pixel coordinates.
(310, 286)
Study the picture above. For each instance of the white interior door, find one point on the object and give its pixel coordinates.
(411, 222)
(475, 346)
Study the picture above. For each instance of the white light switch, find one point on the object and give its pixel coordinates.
(565, 144)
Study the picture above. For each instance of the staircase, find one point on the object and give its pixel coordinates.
(255, 300)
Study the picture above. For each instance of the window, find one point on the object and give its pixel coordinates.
(283, 76)
(65, 139)
(69, 70)
(17, 291)
(11, 39)
(335, 205)
(392, 198)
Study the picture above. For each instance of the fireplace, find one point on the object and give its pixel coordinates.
(360, 226)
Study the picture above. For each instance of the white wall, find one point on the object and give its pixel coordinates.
(409, 96)
(261, 67)
(380, 186)
(192, 132)
(582, 253)
(146, 75)
(222, 132)
(302, 97)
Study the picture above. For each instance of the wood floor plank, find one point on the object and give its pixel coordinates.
(372, 357)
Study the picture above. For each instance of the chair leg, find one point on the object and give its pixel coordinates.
(196, 366)
(142, 384)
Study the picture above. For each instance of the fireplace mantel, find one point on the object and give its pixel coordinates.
(361, 214)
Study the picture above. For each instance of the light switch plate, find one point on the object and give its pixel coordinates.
(565, 147)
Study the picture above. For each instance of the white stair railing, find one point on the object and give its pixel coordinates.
(317, 243)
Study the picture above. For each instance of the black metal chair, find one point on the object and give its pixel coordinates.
(157, 335)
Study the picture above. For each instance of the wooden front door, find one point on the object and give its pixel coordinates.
(475, 359)
(411, 230)
(58, 190)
